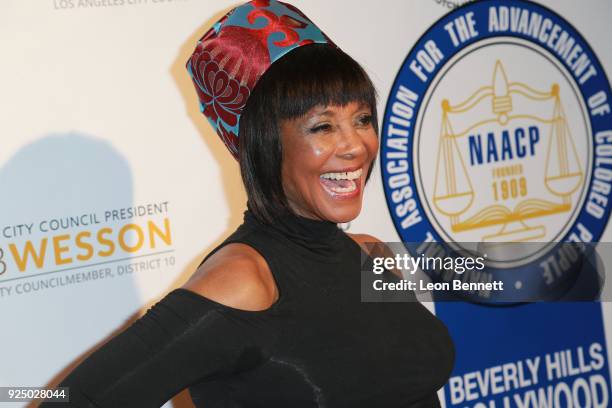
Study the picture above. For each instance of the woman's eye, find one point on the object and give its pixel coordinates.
(365, 119)
(320, 128)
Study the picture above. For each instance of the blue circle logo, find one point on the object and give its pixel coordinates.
(497, 131)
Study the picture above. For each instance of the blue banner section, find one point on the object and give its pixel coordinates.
(536, 355)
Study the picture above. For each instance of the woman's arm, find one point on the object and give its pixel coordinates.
(183, 339)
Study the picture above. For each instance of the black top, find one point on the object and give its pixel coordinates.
(318, 345)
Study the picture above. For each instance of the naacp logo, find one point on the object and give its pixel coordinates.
(498, 130)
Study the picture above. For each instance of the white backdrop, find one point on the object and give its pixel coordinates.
(98, 115)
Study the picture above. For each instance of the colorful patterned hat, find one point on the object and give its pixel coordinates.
(231, 57)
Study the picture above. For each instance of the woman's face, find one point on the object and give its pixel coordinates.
(326, 156)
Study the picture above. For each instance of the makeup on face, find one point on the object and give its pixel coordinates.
(326, 155)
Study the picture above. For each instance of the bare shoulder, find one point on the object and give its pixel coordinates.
(236, 276)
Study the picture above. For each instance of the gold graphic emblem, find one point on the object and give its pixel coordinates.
(516, 123)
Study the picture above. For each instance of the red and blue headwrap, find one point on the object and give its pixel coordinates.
(231, 57)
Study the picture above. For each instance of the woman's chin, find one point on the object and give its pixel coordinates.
(343, 213)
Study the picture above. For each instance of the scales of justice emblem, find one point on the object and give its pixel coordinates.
(506, 171)
(489, 149)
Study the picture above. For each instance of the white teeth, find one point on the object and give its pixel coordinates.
(348, 175)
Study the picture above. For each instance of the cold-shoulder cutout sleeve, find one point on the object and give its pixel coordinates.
(239, 278)
(183, 339)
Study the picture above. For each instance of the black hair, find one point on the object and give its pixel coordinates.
(308, 76)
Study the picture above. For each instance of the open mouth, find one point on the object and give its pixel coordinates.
(341, 183)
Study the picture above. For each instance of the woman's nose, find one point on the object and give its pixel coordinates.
(350, 144)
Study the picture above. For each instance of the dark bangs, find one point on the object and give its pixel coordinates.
(320, 75)
(311, 75)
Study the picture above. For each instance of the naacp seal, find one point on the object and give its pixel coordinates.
(497, 139)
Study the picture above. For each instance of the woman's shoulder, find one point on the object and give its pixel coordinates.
(374, 248)
(237, 276)
(362, 238)
(370, 244)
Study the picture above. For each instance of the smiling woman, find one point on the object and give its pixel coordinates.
(330, 150)
(311, 113)
(273, 316)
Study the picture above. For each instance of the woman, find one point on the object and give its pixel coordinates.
(273, 315)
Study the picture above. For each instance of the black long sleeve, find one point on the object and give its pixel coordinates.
(183, 339)
(319, 345)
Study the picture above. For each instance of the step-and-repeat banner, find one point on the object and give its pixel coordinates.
(495, 126)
